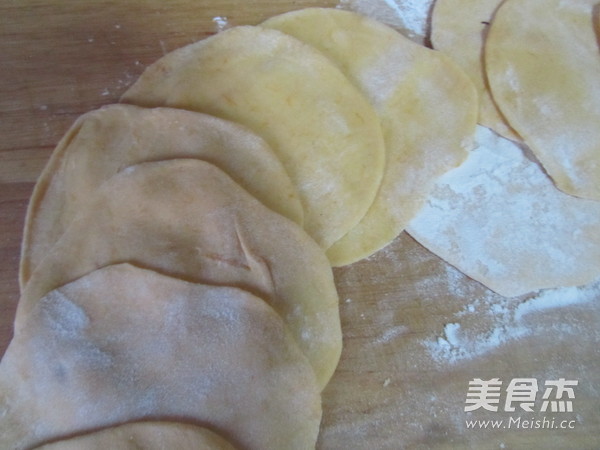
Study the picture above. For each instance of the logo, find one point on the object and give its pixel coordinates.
(522, 395)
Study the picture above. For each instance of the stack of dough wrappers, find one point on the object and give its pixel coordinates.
(176, 272)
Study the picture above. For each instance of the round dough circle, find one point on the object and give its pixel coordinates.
(499, 219)
(321, 127)
(543, 67)
(426, 105)
(103, 142)
(188, 219)
(125, 344)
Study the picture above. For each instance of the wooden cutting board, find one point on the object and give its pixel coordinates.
(416, 331)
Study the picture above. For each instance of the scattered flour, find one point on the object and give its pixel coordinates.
(390, 333)
(221, 23)
(121, 84)
(163, 47)
(504, 320)
(451, 332)
(558, 298)
(411, 17)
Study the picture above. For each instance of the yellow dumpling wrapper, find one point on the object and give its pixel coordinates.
(543, 66)
(426, 104)
(459, 29)
(321, 127)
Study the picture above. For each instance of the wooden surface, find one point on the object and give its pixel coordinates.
(404, 374)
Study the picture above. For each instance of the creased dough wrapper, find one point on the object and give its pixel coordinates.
(188, 219)
(103, 142)
(124, 344)
(427, 107)
(322, 128)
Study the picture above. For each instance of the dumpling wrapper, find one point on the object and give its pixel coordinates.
(543, 65)
(188, 219)
(499, 219)
(124, 344)
(458, 29)
(426, 104)
(103, 142)
(146, 436)
(324, 131)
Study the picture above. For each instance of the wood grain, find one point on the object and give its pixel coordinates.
(392, 390)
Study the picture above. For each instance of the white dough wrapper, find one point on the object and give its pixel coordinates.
(500, 220)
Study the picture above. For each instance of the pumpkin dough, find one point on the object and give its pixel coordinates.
(124, 344)
(103, 142)
(145, 436)
(543, 67)
(321, 127)
(459, 29)
(499, 219)
(188, 219)
(427, 107)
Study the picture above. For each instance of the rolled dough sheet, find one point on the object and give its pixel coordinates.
(188, 219)
(322, 128)
(459, 29)
(426, 104)
(543, 66)
(124, 344)
(500, 220)
(103, 142)
(146, 436)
